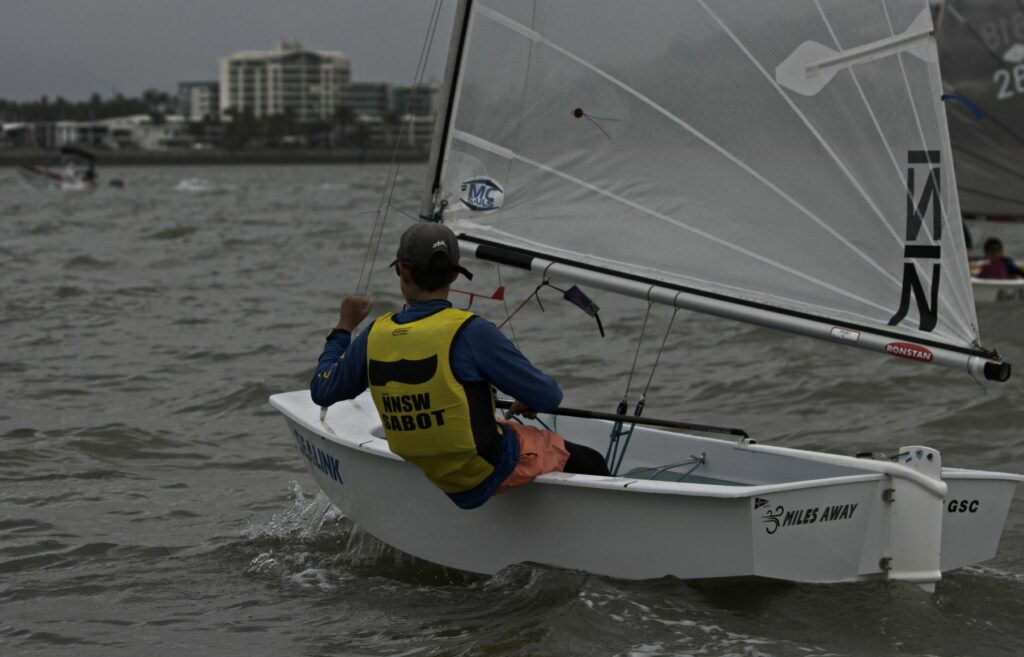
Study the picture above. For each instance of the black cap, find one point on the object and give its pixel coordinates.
(422, 241)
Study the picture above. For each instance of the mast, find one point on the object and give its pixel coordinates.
(450, 92)
(976, 362)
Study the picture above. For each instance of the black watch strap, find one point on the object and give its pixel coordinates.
(336, 332)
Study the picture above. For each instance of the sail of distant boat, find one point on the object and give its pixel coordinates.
(786, 164)
(981, 49)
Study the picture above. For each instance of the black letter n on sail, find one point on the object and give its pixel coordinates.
(927, 305)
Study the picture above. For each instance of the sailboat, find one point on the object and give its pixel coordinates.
(76, 174)
(981, 50)
(785, 164)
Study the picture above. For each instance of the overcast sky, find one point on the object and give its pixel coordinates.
(74, 47)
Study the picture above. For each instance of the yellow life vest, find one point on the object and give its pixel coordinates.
(430, 418)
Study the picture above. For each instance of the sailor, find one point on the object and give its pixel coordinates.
(998, 266)
(430, 369)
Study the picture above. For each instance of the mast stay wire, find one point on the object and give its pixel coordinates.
(617, 431)
(388, 190)
(614, 456)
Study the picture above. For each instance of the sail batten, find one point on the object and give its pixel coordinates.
(659, 137)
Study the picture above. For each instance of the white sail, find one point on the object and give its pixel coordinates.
(981, 49)
(793, 155)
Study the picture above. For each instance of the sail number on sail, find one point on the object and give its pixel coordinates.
(1010, 81)
(1004, 36)
(922, 248)
(1004, 31)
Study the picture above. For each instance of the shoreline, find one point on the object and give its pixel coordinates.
(15, 157)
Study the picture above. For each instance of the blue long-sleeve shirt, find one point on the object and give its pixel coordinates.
(480, 353)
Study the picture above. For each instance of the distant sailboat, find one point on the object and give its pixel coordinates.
(981, 51)
(77, 172)
(785, 164)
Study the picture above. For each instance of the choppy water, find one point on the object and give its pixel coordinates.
(152, 504)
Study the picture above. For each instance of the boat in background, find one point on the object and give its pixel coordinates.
(989, 290)
(75, 173)
(725, 159)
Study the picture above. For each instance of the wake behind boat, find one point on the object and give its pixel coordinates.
(715, 158)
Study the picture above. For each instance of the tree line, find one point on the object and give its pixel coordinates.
(154, 102)
(241, 130)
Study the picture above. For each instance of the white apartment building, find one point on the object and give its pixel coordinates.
(287, 79)
(198, 100)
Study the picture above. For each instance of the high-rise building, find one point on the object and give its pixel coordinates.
(286, 80)
(198, 100)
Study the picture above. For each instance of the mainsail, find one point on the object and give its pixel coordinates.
(785, 163)
(981, 48)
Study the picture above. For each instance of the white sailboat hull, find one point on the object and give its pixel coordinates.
(761, 511)
(991, 290)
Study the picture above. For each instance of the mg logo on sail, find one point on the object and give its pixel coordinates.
(482, 194)
(922, 251)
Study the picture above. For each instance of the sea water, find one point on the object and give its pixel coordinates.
(152, 503)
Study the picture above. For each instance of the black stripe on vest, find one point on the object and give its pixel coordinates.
(411, 372)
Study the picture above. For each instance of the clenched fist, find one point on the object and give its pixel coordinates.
(353, 310)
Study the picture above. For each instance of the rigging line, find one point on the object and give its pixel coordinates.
(966, 308)
(501, 151)
(533, 35)
(404, 213)
(878, 127)
(639, 342)
(657, 359)
(544, 281)
(508, 313)
(821, 140)
(387, 193)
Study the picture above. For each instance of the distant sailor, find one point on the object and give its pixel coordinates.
(998, 266)
(430, 369)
